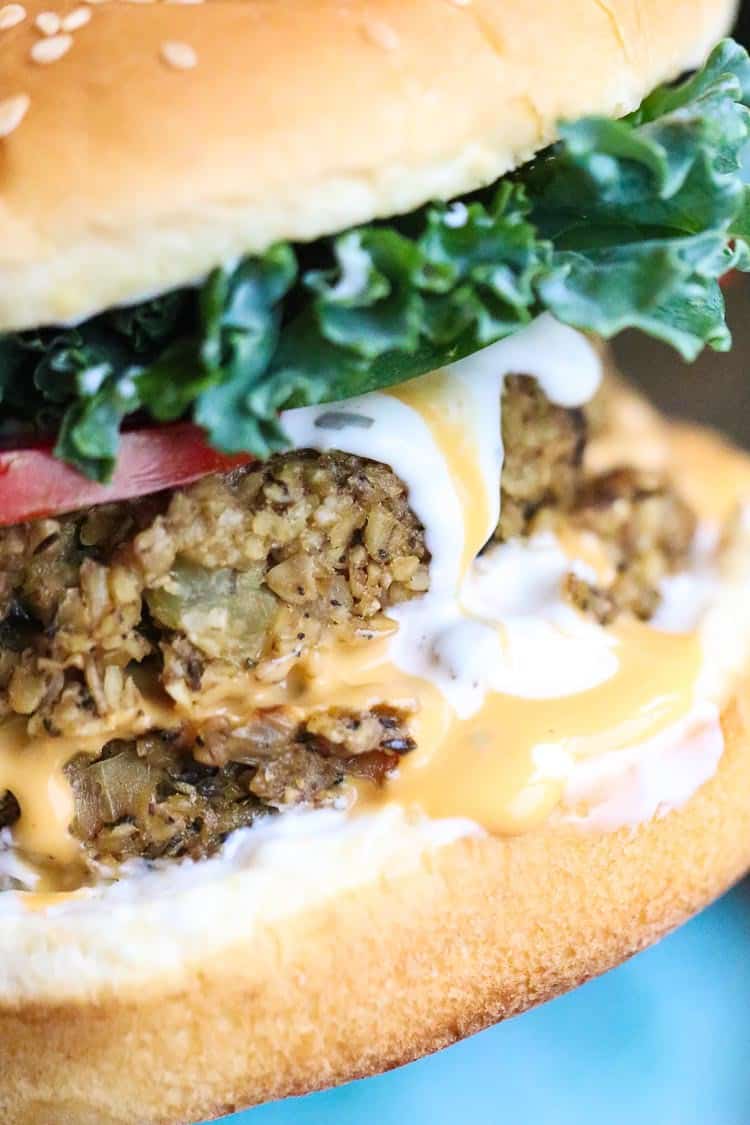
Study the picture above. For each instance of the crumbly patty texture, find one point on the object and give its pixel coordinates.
(176, 794)
(237, 571)
(544, 446)
(645, 530)
(254, 570)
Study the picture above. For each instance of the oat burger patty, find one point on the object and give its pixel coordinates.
(372, 658)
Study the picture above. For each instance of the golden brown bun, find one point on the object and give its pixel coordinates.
(128, 175)
(434, 944)
(382, 975)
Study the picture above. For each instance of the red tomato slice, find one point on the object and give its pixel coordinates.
(34, 483)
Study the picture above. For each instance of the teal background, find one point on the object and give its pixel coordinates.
(663, 1039)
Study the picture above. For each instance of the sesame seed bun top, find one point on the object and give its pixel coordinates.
(143, 143)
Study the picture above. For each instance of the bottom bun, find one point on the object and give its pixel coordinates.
(377, 974)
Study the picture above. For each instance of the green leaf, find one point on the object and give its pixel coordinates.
(667, 289)
(467, 279)
(154, 323)
(625, 223)
(728, 66)
(241, 317)
(89, 434)
(485, 261)
(643, 212)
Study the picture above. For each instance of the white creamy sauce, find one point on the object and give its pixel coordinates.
(521, 639)
(503, 626)
(450, 636)
(544, 649)
(629, 787)
(566, 365)
(687, 597)
(13, 871)
(164, 917)
(498, 625)
(384, 429)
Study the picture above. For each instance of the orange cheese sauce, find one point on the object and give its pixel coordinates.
(39, 901)
(447, 409)
(32, 768)
(33, 772)
(505, 767)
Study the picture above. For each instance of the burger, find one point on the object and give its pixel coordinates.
(371, 656)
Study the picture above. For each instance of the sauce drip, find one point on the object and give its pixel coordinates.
(448, 406)
(505, 760)
(507, 766)
(33, 771)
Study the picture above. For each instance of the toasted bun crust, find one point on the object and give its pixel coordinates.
(129, 174)
(481, 930)
(223, 994)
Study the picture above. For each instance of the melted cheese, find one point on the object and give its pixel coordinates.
(450, 406)
(33, 770)
(507, 766)
(509, 690)
(34, 773)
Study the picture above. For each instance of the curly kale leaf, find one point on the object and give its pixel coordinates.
(647, 213)
(626, 223)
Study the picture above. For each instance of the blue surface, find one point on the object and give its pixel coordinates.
(663, 1039)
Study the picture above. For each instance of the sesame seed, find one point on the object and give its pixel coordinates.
(12, 112)
(79, 17)
(48, 23)
(52, 49)
(10, 15)
(381, 34)
(461, 3)
(96, 1)
(179, 55)
(184, 1)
